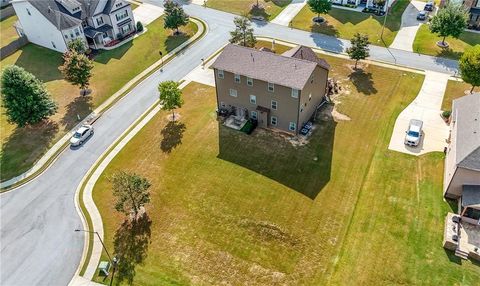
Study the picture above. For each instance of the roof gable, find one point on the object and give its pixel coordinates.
(306, 53)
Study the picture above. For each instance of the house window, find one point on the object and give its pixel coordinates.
(273, 120)
(122, 15)
(249, 81)
(222, 104)
(66, 36)
(220, 74)
(233, 92)
(311, 79)
(77, 32)
(270, 87)
(118, 4)
(274, 105)
(53, 44)
(253, 99)
(125, 29)
(28, 11)
(237, 78)
(253, 114)
(301, 109)
(292, 126)
(294, 93)
(99, 21)
(309, 97)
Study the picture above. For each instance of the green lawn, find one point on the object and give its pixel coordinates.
(7, 31)
(227, 208)
(455, 89)
(344, 24)
(21, 147)
(243, 7)
(425, 43)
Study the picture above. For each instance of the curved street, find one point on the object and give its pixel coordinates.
(38, 242)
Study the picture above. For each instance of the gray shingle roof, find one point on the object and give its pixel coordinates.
(266, 66)
(466, 112)
(305, 53)
(470, 196)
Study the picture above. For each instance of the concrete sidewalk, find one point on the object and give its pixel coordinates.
(289, 12)
(426, 107)
(410, 25)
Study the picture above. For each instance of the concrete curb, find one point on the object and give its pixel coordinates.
(85, 188)
(50, 156)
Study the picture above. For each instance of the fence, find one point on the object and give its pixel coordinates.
(7, 12)
(13, 47)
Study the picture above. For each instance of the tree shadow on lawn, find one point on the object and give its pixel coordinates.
(130, 244)
(274, 157)
(324, 28)
(41, 62)
(23, 146)
(172, 135)
(105, 56)
(81, 107)
(363, 82)
(174, 40)
(448, 53)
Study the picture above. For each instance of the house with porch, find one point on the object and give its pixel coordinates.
(364, 4)
(462, 177)
(280, 92)
(54, 23)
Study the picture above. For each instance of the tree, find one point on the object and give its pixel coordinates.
(175, 17)
(25, 98)
(449, 21)
(469, 65)
(243, 33)
(131, 192)
(77, 69)
(139, 26)
(77, 45)
(359, 48)
(170, 96)
(319, 6)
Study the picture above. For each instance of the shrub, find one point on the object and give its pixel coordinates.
(446, 114)
(139, 26)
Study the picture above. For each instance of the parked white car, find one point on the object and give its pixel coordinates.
(81, 135)
(414, 133)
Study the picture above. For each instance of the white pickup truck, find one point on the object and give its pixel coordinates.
(414, 133)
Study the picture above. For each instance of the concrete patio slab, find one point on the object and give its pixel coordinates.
(147, 13)
(426, 107)
(409, 27)
(289, 12)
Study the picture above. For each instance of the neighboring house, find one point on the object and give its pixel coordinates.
(462, 163)
(4, 3)
(54, 23)
(473, 7)
(364, 3)
(279, 91)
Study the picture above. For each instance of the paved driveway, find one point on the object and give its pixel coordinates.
(410, 25)
(289, 12)
(425, 107)
(147, 13)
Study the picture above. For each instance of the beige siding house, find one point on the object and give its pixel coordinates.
(279, 91)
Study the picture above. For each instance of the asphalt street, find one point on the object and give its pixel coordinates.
(37, 221)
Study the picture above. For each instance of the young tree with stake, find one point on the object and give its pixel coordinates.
(319, 6)
(77, 69)
(449, 21)
(469, 65)
(170, 96)
(175, 16)
(359, 48)
(243, 33)
(131, 192)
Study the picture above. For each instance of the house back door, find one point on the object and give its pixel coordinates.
(263, 119)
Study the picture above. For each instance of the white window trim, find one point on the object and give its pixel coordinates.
(271, 120)
(290, 126)
(276, 104)
(249, 81)
(236, 78)
(220, 74)
(222, 104)
(233, 91)
(309, 97)
(268, 86)
(295, 92)
(254, 99)
(254, 114)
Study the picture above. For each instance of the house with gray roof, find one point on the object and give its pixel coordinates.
(279, 91)
(462, 163)
(54, 23)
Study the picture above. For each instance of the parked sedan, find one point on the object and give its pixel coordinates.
(81, 135)
(422, 15)
(429, 6)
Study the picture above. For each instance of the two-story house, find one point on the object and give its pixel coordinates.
(54, 23)
(279, 91)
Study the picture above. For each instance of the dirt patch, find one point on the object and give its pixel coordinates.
(269, 232)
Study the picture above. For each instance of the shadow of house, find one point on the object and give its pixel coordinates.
(305, 169)
(172, 135)
(81, 107)
(24, 146)
(41, 62)
(130, 244)
(105, 56)
(363, 82)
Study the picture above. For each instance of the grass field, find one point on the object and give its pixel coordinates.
(455, 89)
(228, 208)
(425, 43)
(243, 7)
(21, 147)
(7, 31)
(344, 24)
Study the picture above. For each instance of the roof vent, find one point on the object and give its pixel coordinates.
(49, 9)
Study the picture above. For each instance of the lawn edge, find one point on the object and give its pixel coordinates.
(79, 202)
(63, 142)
